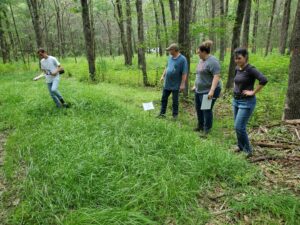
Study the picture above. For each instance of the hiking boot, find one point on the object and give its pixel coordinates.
(161, 116)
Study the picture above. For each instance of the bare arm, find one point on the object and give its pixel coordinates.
(163, 75)
(214, 86)
(256, 90)
(183, 79)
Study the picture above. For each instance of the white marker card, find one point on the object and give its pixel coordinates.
(148, 106)
(206, 103)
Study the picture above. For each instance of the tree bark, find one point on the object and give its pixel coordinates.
(255, 26)
(235, 40)
(184, 34)
(141, 41)
(173, 18)
(129, 30)
(33, 6)
(212, 34)
(285, 26)
(158, 39)
(89, 39)
(223, 34)
(120, 20)
(3, 43)
(17, 34)
(270, 29)
(246, 27)
(164, 22)
(292, 109)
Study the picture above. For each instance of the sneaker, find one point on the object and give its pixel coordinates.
(66, 105)
(197, 129)
(161, 116)
(249, 155)
(237, 149)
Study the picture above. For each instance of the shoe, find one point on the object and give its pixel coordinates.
(203, 134)
(175, 117)
(249, 155)
(237, 149)
(66, 105)
(161, 116)
(197, 129)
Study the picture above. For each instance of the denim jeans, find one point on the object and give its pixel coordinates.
(243, 109)
(164, 101)
(205, 117)
(54, 93)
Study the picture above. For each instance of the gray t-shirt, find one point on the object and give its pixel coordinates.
(49, 65)
(205, 74)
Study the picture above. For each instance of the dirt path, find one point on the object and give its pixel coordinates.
(3, 188)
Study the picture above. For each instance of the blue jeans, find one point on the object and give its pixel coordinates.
(243, 109)
(164, 101)
(54, 93)
(205, 117)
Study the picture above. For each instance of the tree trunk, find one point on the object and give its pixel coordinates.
(11, 45)
(89, 38)
(17, 34)
(235, 40)
(173, 18)
(3, 44)
(120, 19)
(184, 34)
(255, 26)
(270, 28)
(292, 109)
(33, 6)
(141, 43)
(285, 26)
(157, 28)
(212, 34)
(109, 36)
(246, 27)
(164, 22)
(223, 34)
(129, 30)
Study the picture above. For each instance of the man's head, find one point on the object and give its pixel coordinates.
(173, 49)
(42, 53)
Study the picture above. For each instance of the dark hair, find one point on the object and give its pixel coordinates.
(206, 46)
(41, 50)
(241, 51)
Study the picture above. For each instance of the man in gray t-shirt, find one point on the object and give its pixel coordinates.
(52, 68)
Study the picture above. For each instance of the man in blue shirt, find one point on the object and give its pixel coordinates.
(174, 77)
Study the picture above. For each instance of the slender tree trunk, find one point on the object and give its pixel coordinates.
(212, 35)
(129, 30)
(3, 44)
(11, 45)
(34, 7)
(246, 27)
(223, 34)
(235, 40)
(164, 22)
(270, 28)
(285, 26)
(89, 38)
(109, 35)
(141, 41)
(157, 28)
(72, 39)
(17, 34)
(173, 18)
(255, 26)
(120, 20)
(292, 109)
(184, 34)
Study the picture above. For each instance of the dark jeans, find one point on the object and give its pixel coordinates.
(164, 101)
(243, 109)
(205, 117)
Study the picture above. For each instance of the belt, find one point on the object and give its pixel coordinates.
(241, 96)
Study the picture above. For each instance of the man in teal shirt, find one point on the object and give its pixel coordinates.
(174, 77)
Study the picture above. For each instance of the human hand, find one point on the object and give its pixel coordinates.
(248, 93)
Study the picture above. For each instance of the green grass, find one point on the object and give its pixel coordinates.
(105, 161)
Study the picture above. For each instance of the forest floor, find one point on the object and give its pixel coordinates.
(105, 161)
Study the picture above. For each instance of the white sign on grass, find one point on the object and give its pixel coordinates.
(148, 106)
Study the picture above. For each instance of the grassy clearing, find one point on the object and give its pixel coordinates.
(104, 161)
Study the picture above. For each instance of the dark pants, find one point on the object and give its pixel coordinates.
(243, 109)
(164, 101)
(205, 117)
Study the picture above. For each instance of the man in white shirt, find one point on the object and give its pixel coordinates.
(52, 68)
